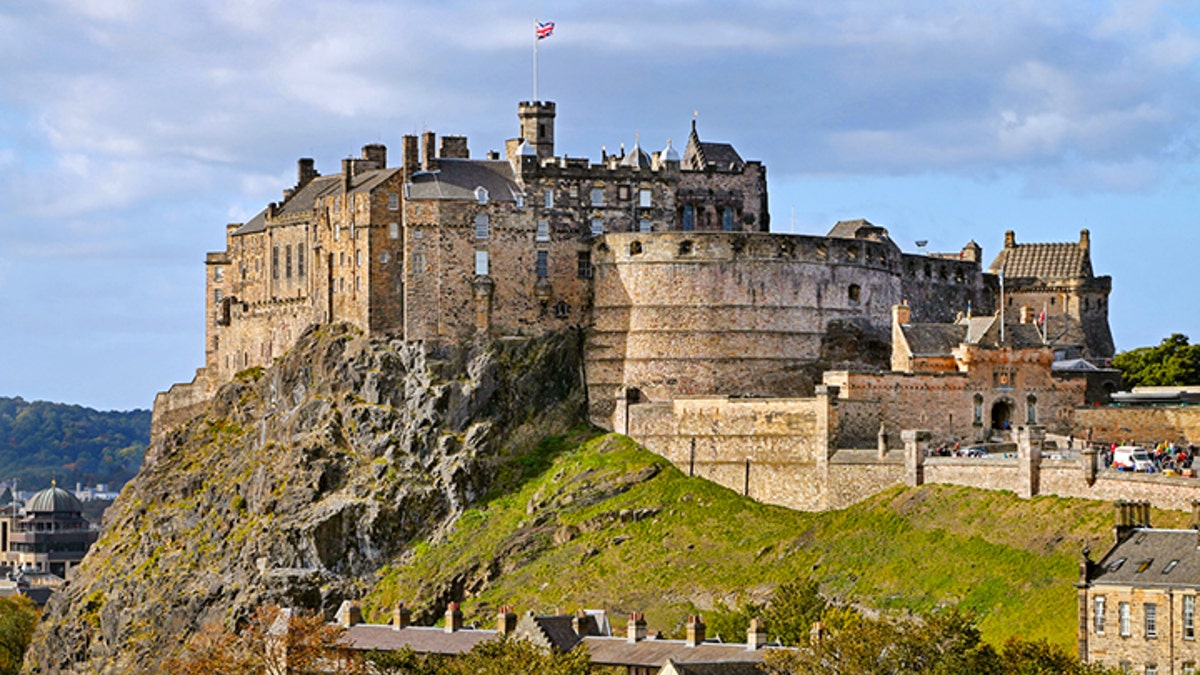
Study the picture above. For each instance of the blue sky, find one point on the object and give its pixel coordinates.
(131, 131)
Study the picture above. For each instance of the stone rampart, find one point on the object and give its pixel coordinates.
(1178, 423)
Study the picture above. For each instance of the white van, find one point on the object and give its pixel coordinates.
(1131, 458)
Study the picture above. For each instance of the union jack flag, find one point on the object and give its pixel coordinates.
(545, 30)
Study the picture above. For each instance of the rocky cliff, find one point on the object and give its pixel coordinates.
(299, 482)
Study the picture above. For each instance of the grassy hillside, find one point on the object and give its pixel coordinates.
(609, 525)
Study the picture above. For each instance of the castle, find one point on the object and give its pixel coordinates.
(667, 262)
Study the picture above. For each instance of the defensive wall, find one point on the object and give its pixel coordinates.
(746, 314)
(1140, 424)
(786, 452)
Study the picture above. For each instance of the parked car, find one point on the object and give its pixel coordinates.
(1132, 458)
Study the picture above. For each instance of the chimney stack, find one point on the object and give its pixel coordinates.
(695, 630)
(305, 171)
(901, 314)
(1010, 239)
(454, 619)
(409, 156)
(756, 635)
(453, 147)
(1085, 239)
(428, 158)
(349, 614)
(376, 154)
(401, 617)
(506, 621)
(636, 628)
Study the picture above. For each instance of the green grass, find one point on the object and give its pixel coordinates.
(558, 542)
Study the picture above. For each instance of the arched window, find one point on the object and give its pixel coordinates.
(1031, 409)
(978, 408)
(481, 194)
(854, 293)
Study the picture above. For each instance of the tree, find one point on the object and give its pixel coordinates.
(1173, 362)
(794, 606)
(273, 642)
(513, 656)
(18, 618)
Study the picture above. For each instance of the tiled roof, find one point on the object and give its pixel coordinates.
(421, 639)
(458, 179)
(1043, 261)
(1145, 558)
(654, 653)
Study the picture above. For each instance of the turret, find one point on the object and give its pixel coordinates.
(537, 126)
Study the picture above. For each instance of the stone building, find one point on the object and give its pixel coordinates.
(1137, 604)
(51, 535)
(1055, 282)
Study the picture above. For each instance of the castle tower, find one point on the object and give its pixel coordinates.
(537, 126)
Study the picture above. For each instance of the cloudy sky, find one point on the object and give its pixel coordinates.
(132, 131)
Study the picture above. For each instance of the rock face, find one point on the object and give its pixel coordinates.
(299, 482)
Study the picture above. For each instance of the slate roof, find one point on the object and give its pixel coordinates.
(256, 224)
(934, 339)
(654, 653)
(700, 155)
(1044, 261)
(421, 639)
(1145, 558)
(718, 668)
(458, 178)
(857, 229)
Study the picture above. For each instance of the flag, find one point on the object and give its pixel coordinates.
(545, 30)
(1042, 317)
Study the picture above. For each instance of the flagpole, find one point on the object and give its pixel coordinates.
(536, 40)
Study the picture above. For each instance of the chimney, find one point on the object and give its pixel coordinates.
(454, 619)
(453, 147)
(348, 614)
(401, 617)
(305, 171)
(695, 630)
(636, 628)
(579, 624)
(428, 158)
(1010, 239)
(348, 167)
(1085, 239)
(756, 635)
(409, 157)
(375, 153)
(506, 621)
(901, 314)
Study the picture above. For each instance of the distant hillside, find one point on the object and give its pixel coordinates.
(41, 441)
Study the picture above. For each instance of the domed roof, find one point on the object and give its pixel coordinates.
(53, 500)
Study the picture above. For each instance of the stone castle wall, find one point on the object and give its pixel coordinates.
(1180, 424)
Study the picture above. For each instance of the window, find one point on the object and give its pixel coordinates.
(689, 218)
(383, 258)
(288, 261)
(481, 195)
(1189, 617)
(418, 262)
(623, 193)
(217, 296)
(351, 229)
(393, 230)
(548, 197)
(357, 285)
(597, 227)
(979, 419)
(1151, 669)
(1123, 617)
(393, 201)
(337, 231)
(218, 273)
(543, 264)
(583, 268)
(561, 310)
(358, 258)
(854, 293)
(274, 262)
(597, 196)
(481, 226)
(1098, 614)
(300, 260)
(1151, 619)
(644, 225)
(1189, 668)
(481, 263)
(1031, 410)
(543, 230)
(727, 219)
(644, 199)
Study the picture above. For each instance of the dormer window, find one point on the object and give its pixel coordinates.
(481, 195)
